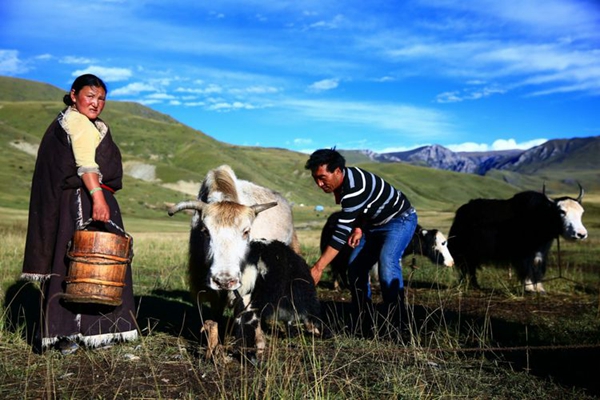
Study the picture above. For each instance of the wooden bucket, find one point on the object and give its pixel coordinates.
(98, 267)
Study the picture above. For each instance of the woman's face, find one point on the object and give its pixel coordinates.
(89, 101)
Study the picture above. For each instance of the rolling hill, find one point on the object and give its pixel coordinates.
(165, 160)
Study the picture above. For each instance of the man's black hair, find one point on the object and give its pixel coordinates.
(330, 157)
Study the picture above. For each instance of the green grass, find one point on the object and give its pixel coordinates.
(436, 361)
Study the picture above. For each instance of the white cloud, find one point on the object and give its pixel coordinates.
(75, 60)
(210, 89)
(255, 90)
(468, 94)
(194, 104)
(468, 146)
(510, 144)
(107, 74)
(236, 105)
(10, 64)
(148, 102)
(302, 141)
(217, 15)
(333, 23)
(518, 59)
(497, 145)
(385, 79)
(160, 96)
(577, 17)
(133, 89)
(448, 97)
(325, 84)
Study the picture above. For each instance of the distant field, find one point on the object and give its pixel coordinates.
(436, 359)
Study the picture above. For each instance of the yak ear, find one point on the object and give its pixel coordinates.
(423, 232)
(186, 205)
(581, 192)
(262, 207)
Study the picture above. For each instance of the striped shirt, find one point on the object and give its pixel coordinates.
(366, 200)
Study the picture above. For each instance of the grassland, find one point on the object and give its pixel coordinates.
(495, 343)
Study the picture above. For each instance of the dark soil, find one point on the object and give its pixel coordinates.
(554, 337)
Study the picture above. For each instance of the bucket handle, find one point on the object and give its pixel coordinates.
(110, 221)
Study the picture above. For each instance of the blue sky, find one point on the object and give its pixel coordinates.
(379, 75)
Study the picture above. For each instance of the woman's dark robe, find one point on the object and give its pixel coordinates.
(59, 204)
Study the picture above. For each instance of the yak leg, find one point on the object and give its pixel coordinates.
(540, 288)
(535, 274)
(211, 330)
(529, 286)
(295, 244)
(536, 287)
(249, 335)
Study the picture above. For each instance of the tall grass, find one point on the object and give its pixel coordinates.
(428, 361)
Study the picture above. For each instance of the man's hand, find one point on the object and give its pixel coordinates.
(317, 269)
(316, 273)
(354, 238)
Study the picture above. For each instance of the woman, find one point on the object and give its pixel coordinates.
(78, 169)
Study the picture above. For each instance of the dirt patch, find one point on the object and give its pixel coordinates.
(25, 147)
(188, 187)
(138, 170)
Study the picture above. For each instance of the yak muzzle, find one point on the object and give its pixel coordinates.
(225, 281)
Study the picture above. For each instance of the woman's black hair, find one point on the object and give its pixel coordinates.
(81, 82)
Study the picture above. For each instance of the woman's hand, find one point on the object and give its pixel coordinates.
(100, 209)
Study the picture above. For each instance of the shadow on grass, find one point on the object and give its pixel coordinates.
(520, 346)
(162, 311)
(172, 313)
(22, 305)
(168, 312)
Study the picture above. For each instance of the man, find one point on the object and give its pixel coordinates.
(377, 221)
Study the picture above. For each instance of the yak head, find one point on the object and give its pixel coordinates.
(226, 226)
(571, 212)
(438, 246)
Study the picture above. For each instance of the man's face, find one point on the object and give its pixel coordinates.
(328, 181)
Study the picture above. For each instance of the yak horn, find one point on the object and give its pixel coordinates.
(186, 205)
(262, 207)
(581, 192)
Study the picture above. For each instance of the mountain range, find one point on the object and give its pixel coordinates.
(549, 154)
